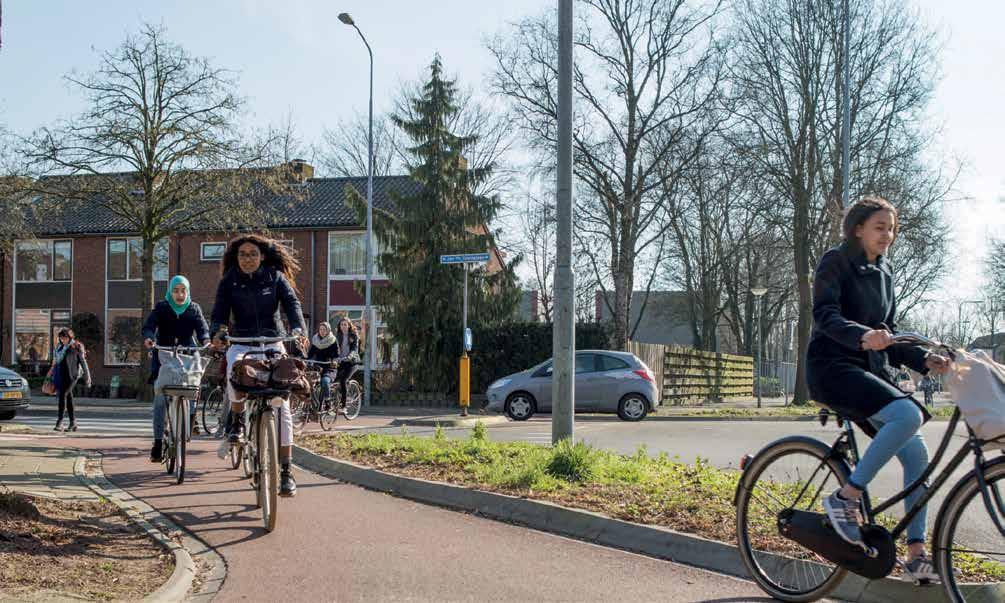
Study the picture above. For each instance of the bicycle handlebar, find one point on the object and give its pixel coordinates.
(260, 340)
(918, 339)
(181, 348)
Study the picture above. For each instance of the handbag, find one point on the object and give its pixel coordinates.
(48, 385)
(977, 384)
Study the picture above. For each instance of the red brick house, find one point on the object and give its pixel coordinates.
(86, 261)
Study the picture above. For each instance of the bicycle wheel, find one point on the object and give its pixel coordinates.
(170, 445)
(329, 416)
(268, 468)
(792, 473)
(212, 411)
(182, 420)
(354, 400)
(970, 554)
(300, 411)
(236, 456)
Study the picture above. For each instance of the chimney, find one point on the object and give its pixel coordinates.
(301, 170)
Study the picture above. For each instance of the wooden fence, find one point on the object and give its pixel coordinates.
(689, 375)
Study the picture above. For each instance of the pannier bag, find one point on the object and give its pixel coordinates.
(183, 369)
(251, 373)
(977, 384)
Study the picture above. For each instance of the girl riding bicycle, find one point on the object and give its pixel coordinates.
(324, 348)
(175, 321)
(348, 354)
(854, 312)
(258, 276)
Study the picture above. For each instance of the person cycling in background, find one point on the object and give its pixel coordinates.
(348, 353)
(257, 281)
(325, 348)
(176, 320)
(854, 313)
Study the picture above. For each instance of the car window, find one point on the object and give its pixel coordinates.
(586, 363)
(610, 363)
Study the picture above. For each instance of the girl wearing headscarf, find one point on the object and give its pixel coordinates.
(175, 321)
(324, 348)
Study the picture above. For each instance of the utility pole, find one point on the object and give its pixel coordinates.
(846, 114)
(564, 341)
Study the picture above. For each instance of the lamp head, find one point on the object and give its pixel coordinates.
(345, 18)
(758, 291)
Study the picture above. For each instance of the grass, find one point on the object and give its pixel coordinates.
(693, 498)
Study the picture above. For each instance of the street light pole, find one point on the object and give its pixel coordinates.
(846, 114)
(564, 338)
(758, 292)
(368, 314)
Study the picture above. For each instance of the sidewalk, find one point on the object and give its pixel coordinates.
(35, 468)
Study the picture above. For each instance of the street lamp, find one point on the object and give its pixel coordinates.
(757, 293)
(368, 312)
(959, 320)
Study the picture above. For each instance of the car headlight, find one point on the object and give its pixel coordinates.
(24, 383)
(499, 383)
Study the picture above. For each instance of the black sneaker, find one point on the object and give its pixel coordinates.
(157, 451)
(236, 433)
(287, 485)
(844, 516)
(194, 424)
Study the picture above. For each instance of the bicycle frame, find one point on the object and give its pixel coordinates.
(846, 444)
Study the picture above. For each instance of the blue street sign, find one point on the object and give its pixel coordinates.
(465, 258)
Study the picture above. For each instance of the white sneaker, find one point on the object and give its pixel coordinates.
(223, 449)
(920, 570)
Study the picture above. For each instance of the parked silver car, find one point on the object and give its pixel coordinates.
(14, 394)
(605, 382)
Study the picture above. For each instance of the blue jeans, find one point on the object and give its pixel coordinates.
(160, 414)
(898, 434)
(326, 387)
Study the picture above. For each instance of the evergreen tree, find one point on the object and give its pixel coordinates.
(422, 303)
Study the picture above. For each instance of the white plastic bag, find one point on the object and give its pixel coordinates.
(177, 370)
(977, 384)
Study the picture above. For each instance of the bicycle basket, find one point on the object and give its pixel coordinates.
(977, 384)
(216, 370)
(182, 370)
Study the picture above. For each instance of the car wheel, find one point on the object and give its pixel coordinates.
(520, 406)
(633, 407)
(7, 415)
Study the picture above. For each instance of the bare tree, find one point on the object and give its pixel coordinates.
(157, 147)
(646, 78)
(537, 221)
(787, 60)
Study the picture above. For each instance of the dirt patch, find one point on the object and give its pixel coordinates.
(87, 550)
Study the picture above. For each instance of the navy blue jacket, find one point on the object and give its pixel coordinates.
(250, 304)
(850, 297)
(167, 328)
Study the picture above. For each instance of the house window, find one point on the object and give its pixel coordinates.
(347, 254)
(387, 351)
(122, 337)
(42, 261)
(32, 341)
(125, 258)
(212, 252)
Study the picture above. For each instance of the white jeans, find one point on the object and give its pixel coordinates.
(238, 351)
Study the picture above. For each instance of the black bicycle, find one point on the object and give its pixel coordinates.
(793, 553)
(261, 447)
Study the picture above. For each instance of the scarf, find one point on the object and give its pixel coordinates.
(179, 309)
(60, 353)
(326, 342)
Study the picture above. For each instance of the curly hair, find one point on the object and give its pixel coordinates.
(338, 326)
(859, 212)
(274, 255)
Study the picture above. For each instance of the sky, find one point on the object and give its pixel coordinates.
(294, 58)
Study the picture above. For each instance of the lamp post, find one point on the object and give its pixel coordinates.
(757, 293)
(368, 314)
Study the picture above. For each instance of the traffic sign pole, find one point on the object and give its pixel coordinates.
(465, 364)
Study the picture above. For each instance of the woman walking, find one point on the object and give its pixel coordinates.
(70, 364)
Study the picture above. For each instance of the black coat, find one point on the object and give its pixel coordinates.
(254, 302)
(850, 297)
(324, 355)
(73, 367)
(167, 328)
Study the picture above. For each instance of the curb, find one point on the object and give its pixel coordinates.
(653, 541)
(449, 421)
(165, 532)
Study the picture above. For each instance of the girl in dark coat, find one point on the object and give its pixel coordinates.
(324, 348)
(70, 360)
(175, 321)
(854, 312)
(348, 353)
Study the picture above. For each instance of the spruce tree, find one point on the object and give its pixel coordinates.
(422, 303)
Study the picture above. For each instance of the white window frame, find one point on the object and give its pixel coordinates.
(202, 251)
(379, 324)
(51, 244)
(48, 332)
(108, 242)
(353, 277)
